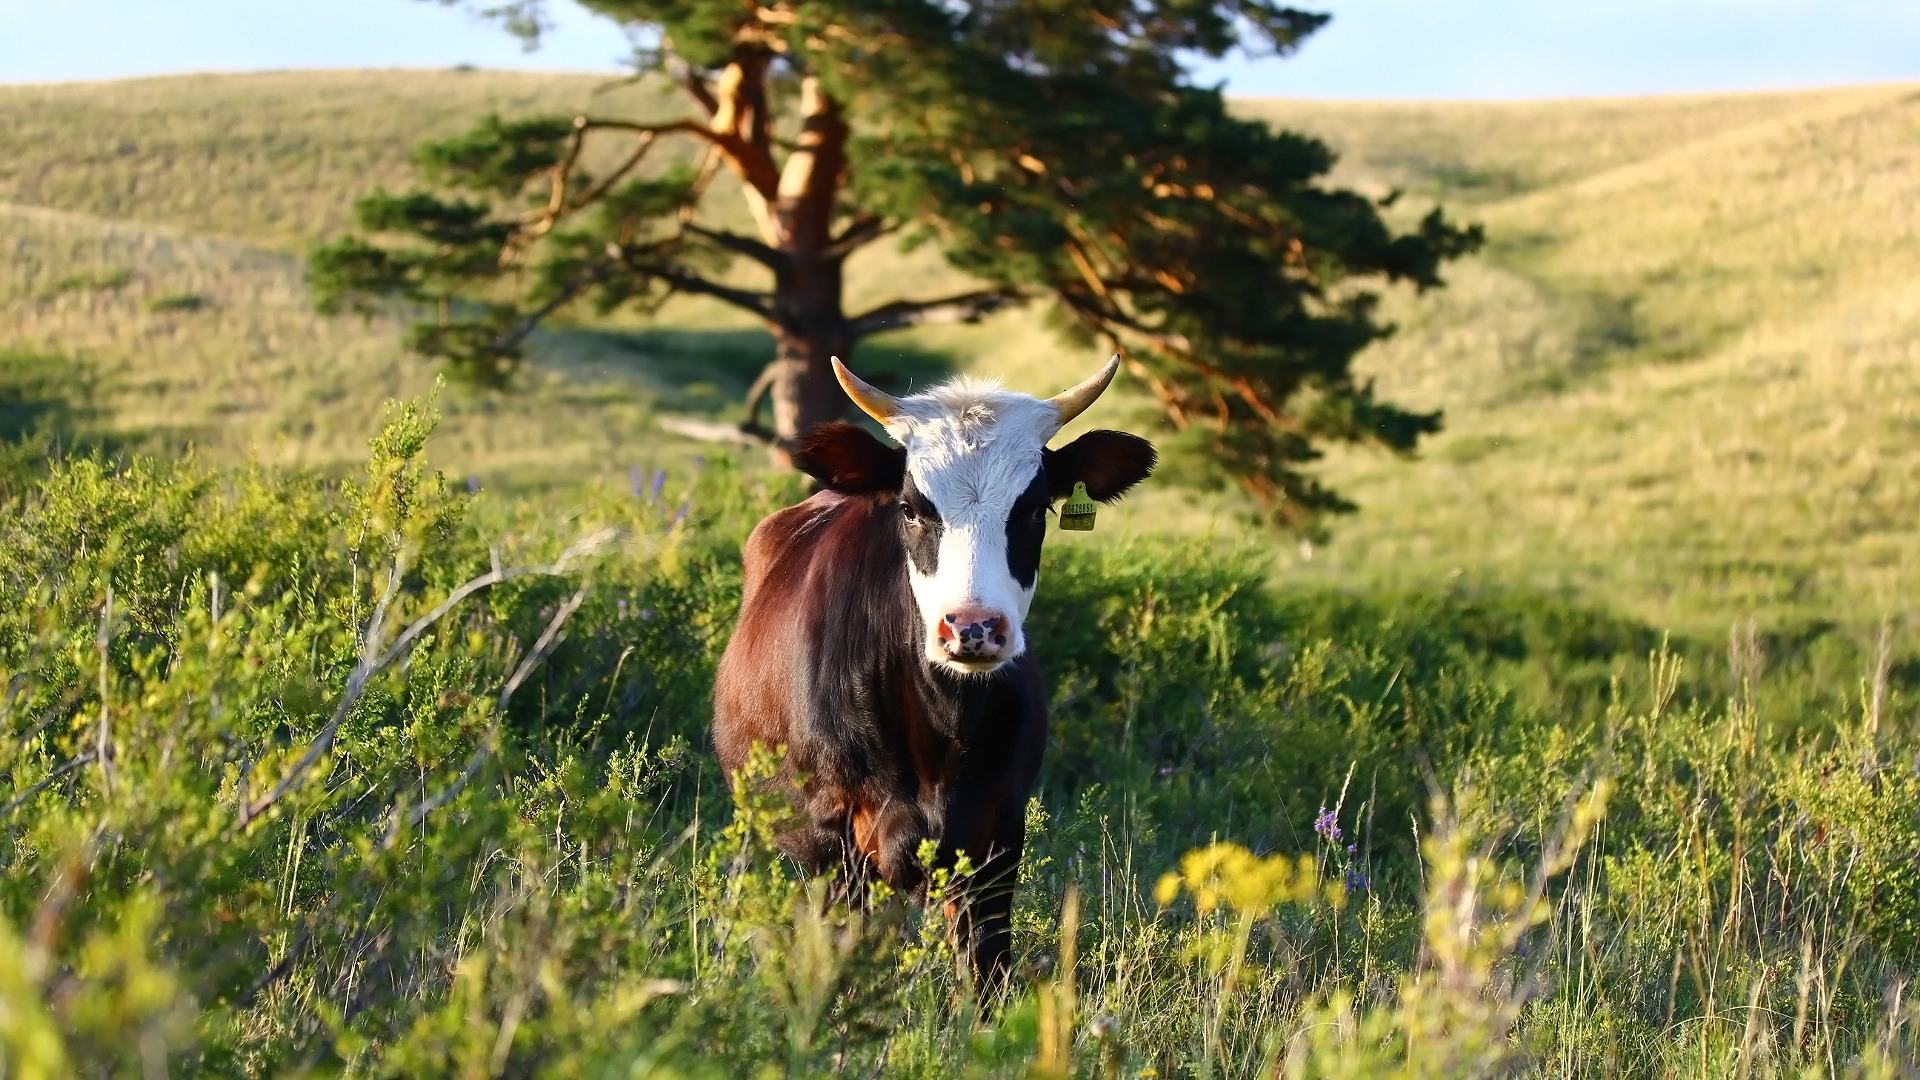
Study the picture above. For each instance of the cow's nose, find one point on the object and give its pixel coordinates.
(971, 633)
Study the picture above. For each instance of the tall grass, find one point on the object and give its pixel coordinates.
(379, 777)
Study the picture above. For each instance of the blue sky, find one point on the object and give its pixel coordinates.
(1405, 49)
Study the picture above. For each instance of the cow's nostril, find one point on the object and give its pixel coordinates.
(973, 633)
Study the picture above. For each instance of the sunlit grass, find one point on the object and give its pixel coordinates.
(1683, 383)
(1282, 832)
(1678, 382)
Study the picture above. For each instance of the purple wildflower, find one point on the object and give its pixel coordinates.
(1357, 881)
(622, 605)
(659, 481)
(1349, 849)
(1326, 826)
(473, 484)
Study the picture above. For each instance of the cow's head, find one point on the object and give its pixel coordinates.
(969, 488)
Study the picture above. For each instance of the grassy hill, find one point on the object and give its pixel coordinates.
(255, 829)
(1683, 378)
(154, 230)
(1677, 382)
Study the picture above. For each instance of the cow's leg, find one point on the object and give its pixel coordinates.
(819, 847)
(892, 845)
(829, 845)
(992, 902)
(860, 841)
(830, 849)
(980, 914)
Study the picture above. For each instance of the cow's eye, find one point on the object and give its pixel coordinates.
(909, 515)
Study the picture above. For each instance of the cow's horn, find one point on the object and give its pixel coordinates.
(1073, 402)
(878, 404)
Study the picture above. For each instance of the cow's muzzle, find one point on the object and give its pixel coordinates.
(973, 635)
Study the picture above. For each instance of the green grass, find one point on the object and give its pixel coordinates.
(539, 874)
(263, 159)
(1676, 383)
(1680, 380)
(1679, 396)
(156, 236)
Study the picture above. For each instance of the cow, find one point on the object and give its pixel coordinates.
(882, 639)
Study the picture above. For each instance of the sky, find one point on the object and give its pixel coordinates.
(1384, 49)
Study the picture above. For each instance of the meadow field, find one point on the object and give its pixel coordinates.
(356, 727)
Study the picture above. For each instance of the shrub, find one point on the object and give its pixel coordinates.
(386, 778)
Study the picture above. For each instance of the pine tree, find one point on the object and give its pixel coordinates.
(1057, 151)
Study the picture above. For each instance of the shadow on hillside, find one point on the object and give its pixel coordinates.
(1459, 180)
(709, 372)
(47, 412)
(43, 395)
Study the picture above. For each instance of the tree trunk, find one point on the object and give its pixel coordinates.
(808, 328)
(808, 324)
(795, 206)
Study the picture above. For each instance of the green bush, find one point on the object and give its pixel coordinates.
(379, 777)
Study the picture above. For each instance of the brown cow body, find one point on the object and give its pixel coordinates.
(881, 640)
(827, 662)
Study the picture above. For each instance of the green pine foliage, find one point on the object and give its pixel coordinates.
(380, 777)
(1061, 156)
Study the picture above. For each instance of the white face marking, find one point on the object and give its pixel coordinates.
(972, 449)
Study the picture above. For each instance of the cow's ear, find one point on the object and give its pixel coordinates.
(1108, 462)
(848, 459)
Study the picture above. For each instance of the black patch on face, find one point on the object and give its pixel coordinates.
(920, 526)
(1027, 529)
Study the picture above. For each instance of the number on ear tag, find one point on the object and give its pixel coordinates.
(1076, 514)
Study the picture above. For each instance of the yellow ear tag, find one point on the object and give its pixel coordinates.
(1076, 514)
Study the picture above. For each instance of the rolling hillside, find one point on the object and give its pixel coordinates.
(1680, 381)
(152, 232)
(1683, 378)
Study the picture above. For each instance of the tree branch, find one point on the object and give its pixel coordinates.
(708, 431)
(964, 307)
(861, 231)
(771, 257)
(1180, 350)
(749, 160)
(594, 193)
(541, 647)
(538, 223)
(694, 83)
(71, 764)
(506, 343)
(373, 660)
(684, 280)
(740, 126)
(557, 196)
(671, 127)
(756, 395)
(709, 166)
